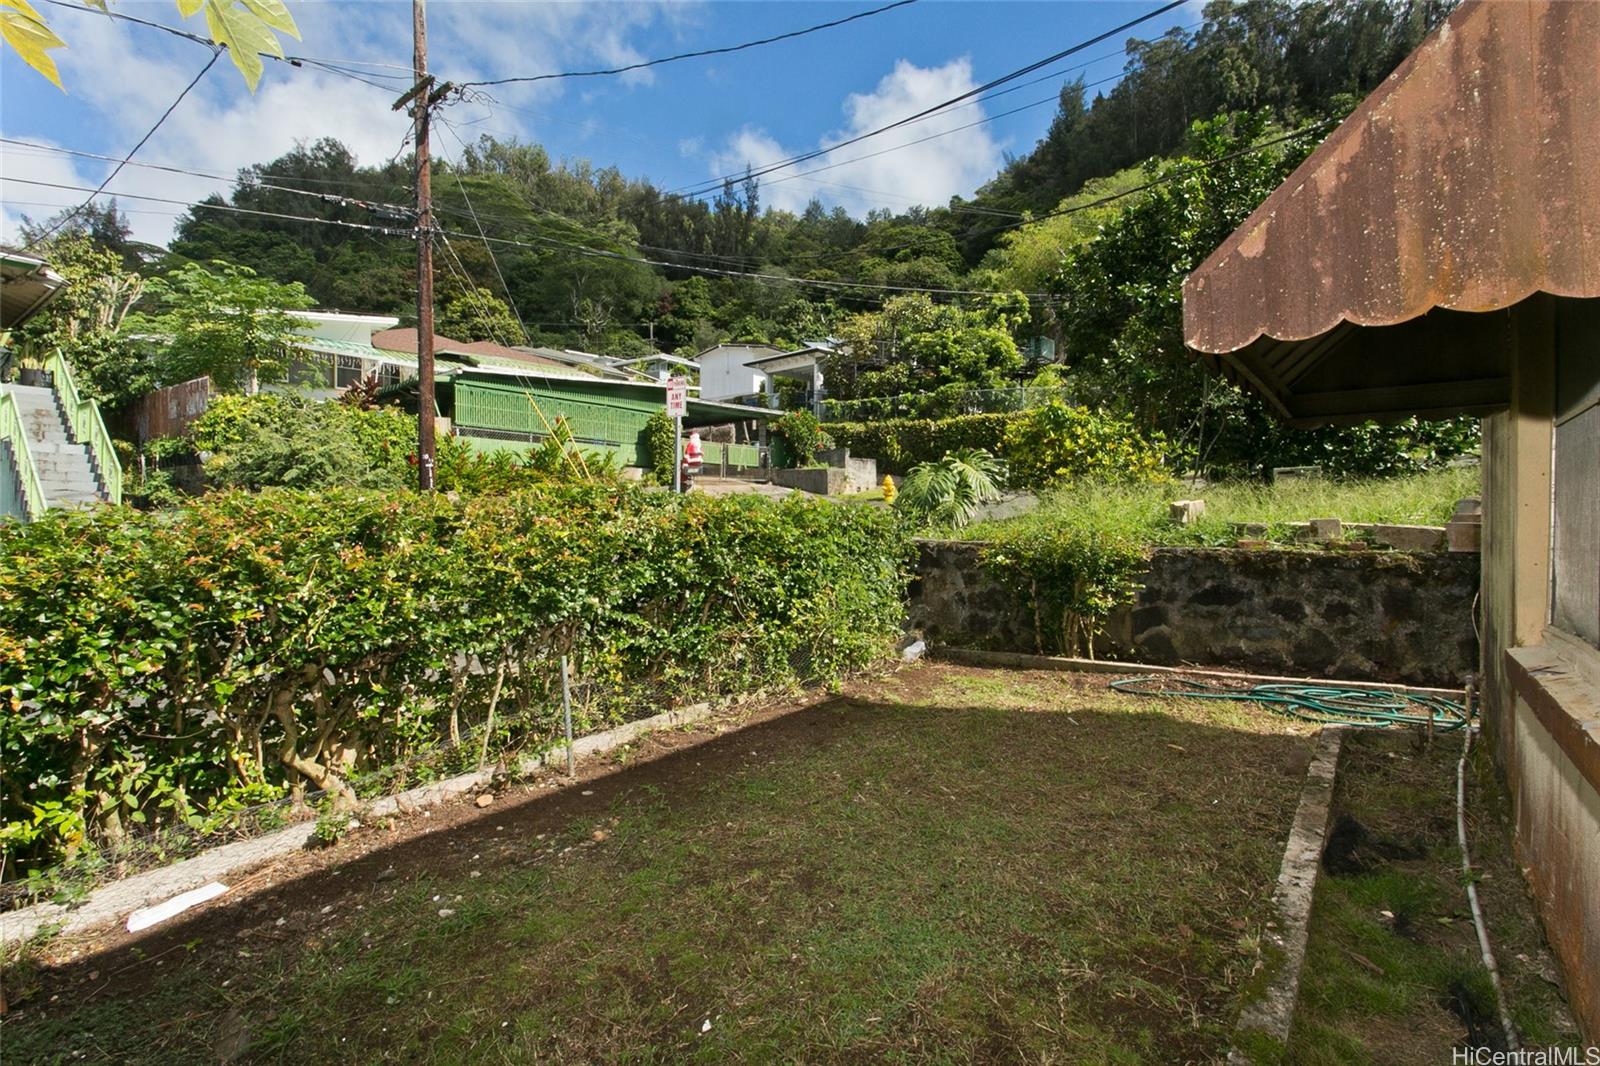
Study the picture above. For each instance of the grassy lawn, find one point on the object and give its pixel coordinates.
(1423, 499)
(942, 864)
(1393, 973)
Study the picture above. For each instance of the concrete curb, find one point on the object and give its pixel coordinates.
(1023, 661)
(1268, 1014)
(112, 903)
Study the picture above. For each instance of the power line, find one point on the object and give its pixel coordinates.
(332, 66)
(193, 205)
(216, 53)
(835, 285)
(997, 82)
(694, 55)
(1181, 172)
(250, 182)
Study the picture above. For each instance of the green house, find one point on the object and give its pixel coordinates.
(500, 407)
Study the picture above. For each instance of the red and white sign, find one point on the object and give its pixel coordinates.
(677, 397)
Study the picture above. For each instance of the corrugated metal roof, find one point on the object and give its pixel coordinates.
(1469, 180)
(355, 349)
(27, 284)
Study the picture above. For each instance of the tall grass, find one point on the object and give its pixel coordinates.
(1421, 499)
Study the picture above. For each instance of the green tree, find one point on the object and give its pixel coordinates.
(477, 314)
(85, 320)
(226, 323)
(916, 345)
(1123, 322)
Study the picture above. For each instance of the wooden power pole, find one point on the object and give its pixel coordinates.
(422, 99)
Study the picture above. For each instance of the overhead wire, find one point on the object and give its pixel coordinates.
(1021, 72)
(252, 182)
(332, 66)
(724, 50)
(829, 284)
(216, 53)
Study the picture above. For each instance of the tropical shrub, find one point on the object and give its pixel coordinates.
(169, 669)
(798, 436)
(660, 438)
(1073, 571)
(949, 492)
(1057, 443)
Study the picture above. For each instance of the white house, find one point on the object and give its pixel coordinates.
(727, 377)
(748, 373)
(337, 352)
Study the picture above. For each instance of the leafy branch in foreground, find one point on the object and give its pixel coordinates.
(248, 29)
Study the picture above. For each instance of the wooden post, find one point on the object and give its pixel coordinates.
(425, 394)
(566, 712)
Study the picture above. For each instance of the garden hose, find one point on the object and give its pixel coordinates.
(1370, 708)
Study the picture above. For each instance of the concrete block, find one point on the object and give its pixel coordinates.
(822, 480)
(1186, 512)
(1410, 538)
(1464, 531)
(1326, 529)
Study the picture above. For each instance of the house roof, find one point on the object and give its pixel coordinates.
(570, 357)
(812, 350)
(746, 345)
(27, 284)
(1462, 185)
(484, 352)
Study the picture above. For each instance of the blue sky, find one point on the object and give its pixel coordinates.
(679, 124)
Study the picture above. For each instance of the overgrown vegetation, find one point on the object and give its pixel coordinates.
(1082, 553)
(661, 442)
(1046, 445)
(1422, 499)
(157, 668)
(1056, 444)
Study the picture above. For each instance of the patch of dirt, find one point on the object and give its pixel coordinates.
(1354, 849)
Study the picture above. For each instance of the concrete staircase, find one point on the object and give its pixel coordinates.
(66, 470)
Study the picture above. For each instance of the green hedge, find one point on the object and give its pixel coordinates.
(169, 668)
(1042, 446)
(900, 444)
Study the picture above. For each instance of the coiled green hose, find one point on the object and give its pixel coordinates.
(1370, 708)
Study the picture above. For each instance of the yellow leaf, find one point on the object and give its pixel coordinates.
(25, 30)
(274, 14)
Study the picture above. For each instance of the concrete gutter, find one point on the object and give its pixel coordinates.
(1267, 1015)
(112, 903)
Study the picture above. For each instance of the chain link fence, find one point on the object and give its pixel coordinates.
(499, 719)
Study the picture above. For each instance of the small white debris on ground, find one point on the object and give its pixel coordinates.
(148, 916)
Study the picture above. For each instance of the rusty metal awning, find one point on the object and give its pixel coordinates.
(1377, 279)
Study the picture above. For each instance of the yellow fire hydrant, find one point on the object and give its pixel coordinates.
(889, 491)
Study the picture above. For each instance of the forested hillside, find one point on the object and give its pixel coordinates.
(1095, 227)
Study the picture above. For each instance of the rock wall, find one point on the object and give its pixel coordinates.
(1359, 616)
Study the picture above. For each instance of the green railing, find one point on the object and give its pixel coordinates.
(33, 501)
(87, 426)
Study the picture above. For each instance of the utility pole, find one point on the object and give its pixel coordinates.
(423, 97)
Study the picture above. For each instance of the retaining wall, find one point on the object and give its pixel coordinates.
(1367, 616)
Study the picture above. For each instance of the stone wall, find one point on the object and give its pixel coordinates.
(1358, 616)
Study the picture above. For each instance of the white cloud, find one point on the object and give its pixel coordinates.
(926, 173)
(221, 127)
